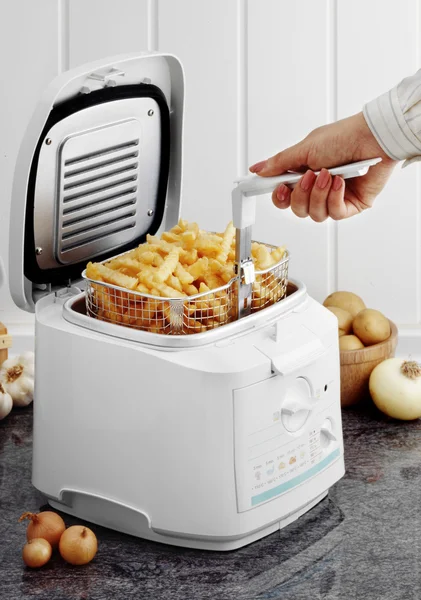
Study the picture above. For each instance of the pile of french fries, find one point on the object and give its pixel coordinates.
(183, 262)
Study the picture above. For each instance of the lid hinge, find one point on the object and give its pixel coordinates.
(41, 290)
(65, 293)
(107, 78)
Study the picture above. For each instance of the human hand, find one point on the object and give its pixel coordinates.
(345, 141)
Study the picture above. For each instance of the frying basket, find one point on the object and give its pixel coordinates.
(179, 316)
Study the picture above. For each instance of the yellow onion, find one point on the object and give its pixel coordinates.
(78, 545)
(36, 553)
(47, 525)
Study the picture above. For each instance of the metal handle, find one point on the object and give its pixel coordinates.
(244, 216)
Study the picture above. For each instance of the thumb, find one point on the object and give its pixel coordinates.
(294, 157)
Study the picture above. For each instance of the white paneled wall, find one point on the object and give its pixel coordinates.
(31, 51)
(98, 28)
(207, 47)
(260, 74)
(378, 251)
(289, 94)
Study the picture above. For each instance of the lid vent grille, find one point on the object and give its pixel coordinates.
(98, 182)
(98, 197)
(100, 153)
(70, 186)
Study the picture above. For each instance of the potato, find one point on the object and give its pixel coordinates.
(350, 342)
(371, 326)
(344, 319)
(345, 300)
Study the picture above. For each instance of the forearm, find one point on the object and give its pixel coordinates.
(394, 119)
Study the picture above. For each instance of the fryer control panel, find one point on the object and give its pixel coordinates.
(286, 432)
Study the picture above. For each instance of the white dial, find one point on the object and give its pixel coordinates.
(326, 434)
(296, 408)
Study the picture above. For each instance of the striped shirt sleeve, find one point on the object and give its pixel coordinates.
(394, 118)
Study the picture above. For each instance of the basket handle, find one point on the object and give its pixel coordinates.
(254, 185)
(244, 216)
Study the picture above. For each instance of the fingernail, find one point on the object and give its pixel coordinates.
(307, 181)
(282, 193)
(257, 167)
(337, 183)
(322, 179)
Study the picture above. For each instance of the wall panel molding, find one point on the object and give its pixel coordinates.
(63, 47)
(332, 116)
(242, 88)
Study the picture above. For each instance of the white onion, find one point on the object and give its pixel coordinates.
(395, 387)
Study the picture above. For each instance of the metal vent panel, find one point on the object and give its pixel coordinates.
(97, 181)
(92, 173)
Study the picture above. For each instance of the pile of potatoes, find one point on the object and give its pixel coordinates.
(358, 326)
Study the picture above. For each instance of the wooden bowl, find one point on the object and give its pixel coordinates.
(357, 365)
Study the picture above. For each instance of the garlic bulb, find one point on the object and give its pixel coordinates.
(6, 402)
(17, 377)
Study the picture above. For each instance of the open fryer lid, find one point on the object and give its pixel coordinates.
(99, 167)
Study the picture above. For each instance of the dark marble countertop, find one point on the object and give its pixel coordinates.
(362, 542)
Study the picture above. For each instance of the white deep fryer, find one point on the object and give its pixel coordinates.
(210, 440)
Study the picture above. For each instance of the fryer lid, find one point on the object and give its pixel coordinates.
(31, 274)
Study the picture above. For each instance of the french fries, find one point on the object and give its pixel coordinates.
(183, 262)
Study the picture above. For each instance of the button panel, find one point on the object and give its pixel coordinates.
(279, 442)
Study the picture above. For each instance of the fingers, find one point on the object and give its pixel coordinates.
(315, 197)
(336, 204)
(281, 197)
(318, 210)
(300, 197)
(291, 158)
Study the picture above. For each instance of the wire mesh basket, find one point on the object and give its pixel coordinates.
(179, 316)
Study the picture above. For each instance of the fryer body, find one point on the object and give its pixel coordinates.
(163, 445)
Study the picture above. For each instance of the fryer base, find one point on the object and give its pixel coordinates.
(103, 512)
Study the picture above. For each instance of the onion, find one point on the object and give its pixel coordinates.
(36, 552)
(395, 386)
(78, 545)
(47, 525)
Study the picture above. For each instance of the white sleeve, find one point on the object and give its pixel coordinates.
(394, 118)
